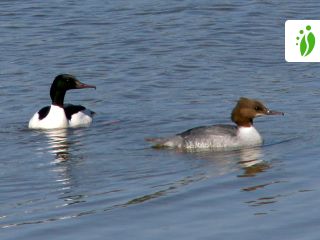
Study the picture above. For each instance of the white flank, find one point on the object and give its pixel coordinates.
(81, 119)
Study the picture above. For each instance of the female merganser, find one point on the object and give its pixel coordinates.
(220, 137)
(60, 115)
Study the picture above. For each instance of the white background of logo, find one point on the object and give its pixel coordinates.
(292, 51)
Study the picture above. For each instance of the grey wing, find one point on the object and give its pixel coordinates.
(206, 131)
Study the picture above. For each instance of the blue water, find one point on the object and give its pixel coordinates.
(160, 68)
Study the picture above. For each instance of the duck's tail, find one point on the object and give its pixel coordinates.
(172, 142)
(157, 142)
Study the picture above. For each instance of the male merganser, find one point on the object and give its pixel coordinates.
(60, 115)
(221, 137)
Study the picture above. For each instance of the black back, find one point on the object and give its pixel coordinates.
(72, 109)
(43, 112)
(69, 110)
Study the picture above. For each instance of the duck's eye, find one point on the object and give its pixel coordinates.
(257, 108)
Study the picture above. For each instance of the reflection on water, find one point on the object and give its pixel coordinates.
(58, 144)
(252, 162)
(248, 159)
(219, 163)
(172, 187)
(252, 170)
(61, 144)
(63, 188)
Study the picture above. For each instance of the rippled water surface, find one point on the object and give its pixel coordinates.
(160, 67)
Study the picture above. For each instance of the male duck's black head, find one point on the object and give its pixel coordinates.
(63, 83)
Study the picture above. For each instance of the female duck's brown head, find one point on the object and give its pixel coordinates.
(247, 109)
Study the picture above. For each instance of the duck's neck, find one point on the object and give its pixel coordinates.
(239, 117)
(247, 123)
(58, 98)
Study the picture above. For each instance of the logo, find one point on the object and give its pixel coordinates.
(307, 41)
(302, 40)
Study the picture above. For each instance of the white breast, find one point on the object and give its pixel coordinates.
(249, 136)
(56, 118)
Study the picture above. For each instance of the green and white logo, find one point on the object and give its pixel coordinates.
(306, 41)
(302, 41)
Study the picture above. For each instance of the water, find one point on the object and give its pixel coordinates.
(160, 68)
